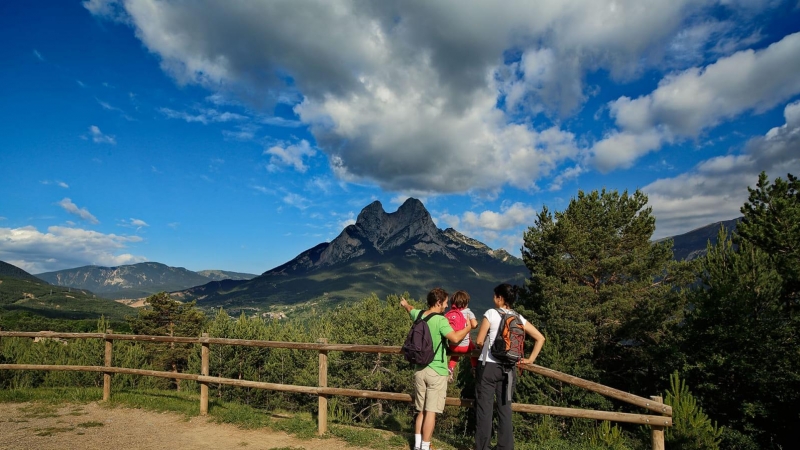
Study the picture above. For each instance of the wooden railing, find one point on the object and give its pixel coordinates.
(658, 422)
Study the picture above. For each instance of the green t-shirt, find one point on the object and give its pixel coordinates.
(440, 328)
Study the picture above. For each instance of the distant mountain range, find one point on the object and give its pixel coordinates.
(382, 253)
(693, 244)
(135, 280)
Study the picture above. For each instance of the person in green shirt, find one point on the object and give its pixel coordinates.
(430, 382)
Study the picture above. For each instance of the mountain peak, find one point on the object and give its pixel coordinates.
(372, 215)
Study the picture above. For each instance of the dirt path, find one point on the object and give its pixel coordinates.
(89, 426)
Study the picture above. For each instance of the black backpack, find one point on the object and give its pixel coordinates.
(418, 347)
(508, 346)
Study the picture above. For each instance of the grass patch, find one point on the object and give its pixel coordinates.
(54, 396)
(187, 404)
(91, 424)
(38, 411)
(18, 420)
(243, 416)
(301, 425)
(52, 430)
(367, 437)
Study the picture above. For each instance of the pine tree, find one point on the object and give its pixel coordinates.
(742, 329)
(772, 223)
(168, 317)
(691, 428)
(602, 292)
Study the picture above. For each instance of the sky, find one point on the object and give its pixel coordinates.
(234, 135)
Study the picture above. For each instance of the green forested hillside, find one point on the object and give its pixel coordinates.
(10, 270)
(382, 275)
(42, 299)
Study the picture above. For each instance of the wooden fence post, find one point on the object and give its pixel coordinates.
(204, 353)
(107, 375)
(657, 430)
(322, 415)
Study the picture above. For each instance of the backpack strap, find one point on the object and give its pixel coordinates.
(441, 342)
(427, 318)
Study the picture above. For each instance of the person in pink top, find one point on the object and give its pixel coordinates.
(461, 316)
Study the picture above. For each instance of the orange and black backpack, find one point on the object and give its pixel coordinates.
(509, 344)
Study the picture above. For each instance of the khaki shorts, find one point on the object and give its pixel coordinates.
(430, 390)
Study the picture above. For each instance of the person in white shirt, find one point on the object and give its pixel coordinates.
(495, 381)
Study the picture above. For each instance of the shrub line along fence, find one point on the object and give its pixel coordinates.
(656, 422)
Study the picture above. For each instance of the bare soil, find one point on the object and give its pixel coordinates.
(90, 426)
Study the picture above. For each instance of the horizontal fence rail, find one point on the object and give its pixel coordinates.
(654, 404)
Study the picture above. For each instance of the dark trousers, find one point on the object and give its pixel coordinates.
(492, 383)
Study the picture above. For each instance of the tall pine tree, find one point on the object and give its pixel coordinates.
(743, 329)
(167, 317)
(602, 292)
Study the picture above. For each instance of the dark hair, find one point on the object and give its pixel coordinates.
(508, 293)
(436, 295)
(460, 299)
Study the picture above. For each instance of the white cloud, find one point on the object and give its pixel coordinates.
(566, 175)
(103, 8)
(406, 94)
(322, 184)
(246, 132)
(221, 100)
(72, 208)
(290, 156)
(345, 220)
(450, 220)
(58, 183)
(38, 55)
(63, 247)
(109, 107)
(133, 223)
(686, 103)
(281, 122)
(400, 199)
(204, 116)
(501, 229)
(296, 200)
(716, 189)
(99, 138)
(263, 189)
(510, 216)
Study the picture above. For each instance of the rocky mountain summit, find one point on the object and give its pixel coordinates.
(382, 253)
(410, 231)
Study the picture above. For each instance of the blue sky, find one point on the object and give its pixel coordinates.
(235, 135)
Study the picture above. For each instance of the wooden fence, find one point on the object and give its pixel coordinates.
(657, 423)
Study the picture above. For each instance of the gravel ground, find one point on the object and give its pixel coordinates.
(90, 426)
